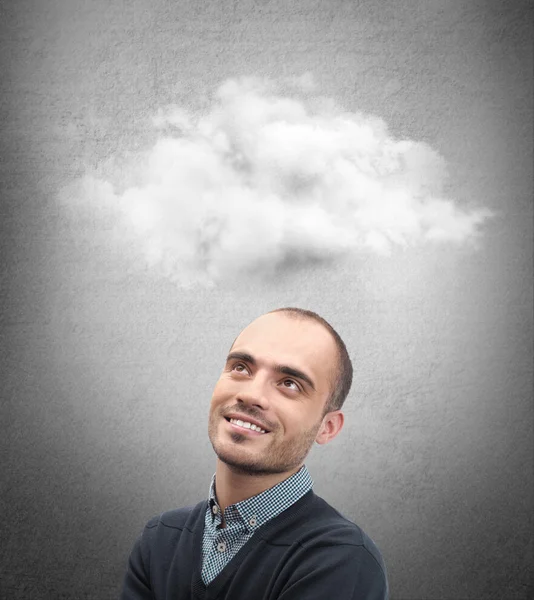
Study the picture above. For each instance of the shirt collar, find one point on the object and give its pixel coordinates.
(268, 504)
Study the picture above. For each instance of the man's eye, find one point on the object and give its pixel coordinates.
(291, 382)
(239, 368)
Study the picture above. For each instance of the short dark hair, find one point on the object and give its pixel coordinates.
(342, 379)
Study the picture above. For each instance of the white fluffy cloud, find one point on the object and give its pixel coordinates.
(263, 176)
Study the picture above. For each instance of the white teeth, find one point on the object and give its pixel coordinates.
(247, 425)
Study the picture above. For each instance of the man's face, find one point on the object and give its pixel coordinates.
(287, 404)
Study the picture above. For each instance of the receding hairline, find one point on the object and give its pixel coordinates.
(292, 314)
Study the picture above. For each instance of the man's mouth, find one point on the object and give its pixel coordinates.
(246, 426)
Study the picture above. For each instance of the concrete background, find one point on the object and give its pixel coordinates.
(107, 371)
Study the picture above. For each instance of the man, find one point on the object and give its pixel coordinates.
(263, 534)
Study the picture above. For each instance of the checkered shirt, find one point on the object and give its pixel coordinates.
(242, 519)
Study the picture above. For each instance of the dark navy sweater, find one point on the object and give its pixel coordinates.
(308, 552)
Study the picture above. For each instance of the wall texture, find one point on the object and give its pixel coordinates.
(106, 370)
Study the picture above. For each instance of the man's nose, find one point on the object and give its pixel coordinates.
(255, 392)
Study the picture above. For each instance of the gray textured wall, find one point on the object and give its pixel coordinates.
(107, 371)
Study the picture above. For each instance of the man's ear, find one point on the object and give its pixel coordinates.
(331, 426)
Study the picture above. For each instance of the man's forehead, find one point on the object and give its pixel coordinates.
(279, 331)
(279, 321)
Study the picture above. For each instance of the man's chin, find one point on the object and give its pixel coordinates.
(243, 465)
(237, 458)
(237, 464)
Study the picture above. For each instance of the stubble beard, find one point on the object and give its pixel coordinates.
(275, 458)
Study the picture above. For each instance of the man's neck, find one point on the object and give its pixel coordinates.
(232, 487)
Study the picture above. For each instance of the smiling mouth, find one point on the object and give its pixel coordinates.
(245, 427)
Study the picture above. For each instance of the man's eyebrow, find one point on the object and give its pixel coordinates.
(297, 373)
(241, 356)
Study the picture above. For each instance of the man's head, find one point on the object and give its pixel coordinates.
(289, 372)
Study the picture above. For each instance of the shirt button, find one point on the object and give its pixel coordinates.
(252, 522)
(214, 509)
(221, 546)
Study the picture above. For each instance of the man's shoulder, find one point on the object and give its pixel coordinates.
(323, 545)
(178, 518)
(324, 525)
